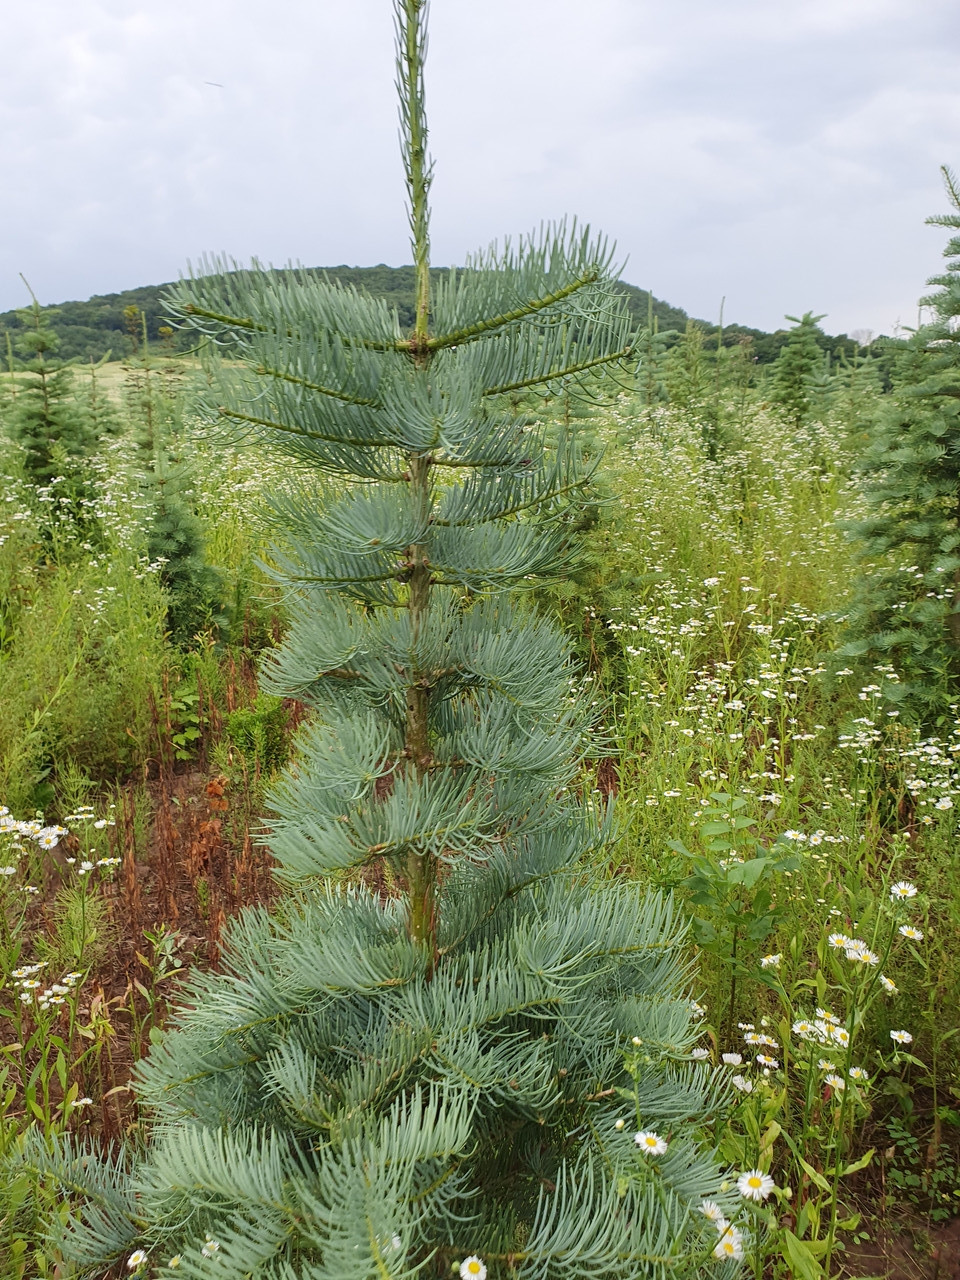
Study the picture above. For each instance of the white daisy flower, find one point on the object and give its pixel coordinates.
(742, 1083)
(858, 1073)
(713, 1213)
(754, 1185)
(908, 931)
(732, 1059)
(650, 1143)
(839, 941)
(901, 1037)
(136, 1260)
(473, 1268)
(825, 1065)
(888, 985)
(770, 962)
(841, 1035)
(835, 1081)
(902, 890)
(730, 1245)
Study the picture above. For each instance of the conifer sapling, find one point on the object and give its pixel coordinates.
(485, 1072)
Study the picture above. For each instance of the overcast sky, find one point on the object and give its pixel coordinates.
(780, 153)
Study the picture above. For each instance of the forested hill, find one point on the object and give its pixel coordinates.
(105, 323)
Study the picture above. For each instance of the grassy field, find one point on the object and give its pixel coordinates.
(806, 828)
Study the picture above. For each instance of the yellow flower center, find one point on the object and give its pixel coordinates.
(473, 1268)
(755, 1182)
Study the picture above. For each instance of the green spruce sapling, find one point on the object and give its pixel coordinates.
(906, 607)
(488, 1072)
(796, 369)
(53, 429)
(175, 537)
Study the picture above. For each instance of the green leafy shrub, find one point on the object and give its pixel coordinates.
(259, 733)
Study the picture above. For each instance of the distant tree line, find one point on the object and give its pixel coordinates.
(112, 322)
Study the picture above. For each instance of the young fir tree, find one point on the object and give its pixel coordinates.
(906, 607)
(397, 1086)
(686, 374)
(796, 371)
(50, 425)
(652, 356)
(175, 538)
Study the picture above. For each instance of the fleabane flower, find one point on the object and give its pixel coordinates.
(908, 931)
(473, 1268)
(732, 1059)
(742, 1083)
(840, 1035)
(835, 1081)
(826, 1065)
(754, 1185)
(136, 1260)
(766, 1061)
(858, 1073)
(730, 1245)
(902, 890)
(901, 1037)
(888, 984)
(827, 1017)
(650, 1143)
(839, 941)
(805, 1030)
(210, 1247)
(770, 962)
(863, 955)
(713, 1213)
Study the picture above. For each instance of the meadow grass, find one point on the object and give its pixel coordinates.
(808, 831)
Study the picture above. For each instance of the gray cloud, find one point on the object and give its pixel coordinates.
(783, 155)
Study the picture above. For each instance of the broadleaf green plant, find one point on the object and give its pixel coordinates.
(409, 1085)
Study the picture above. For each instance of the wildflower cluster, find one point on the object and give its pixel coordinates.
(50, 997)
(47, 838)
